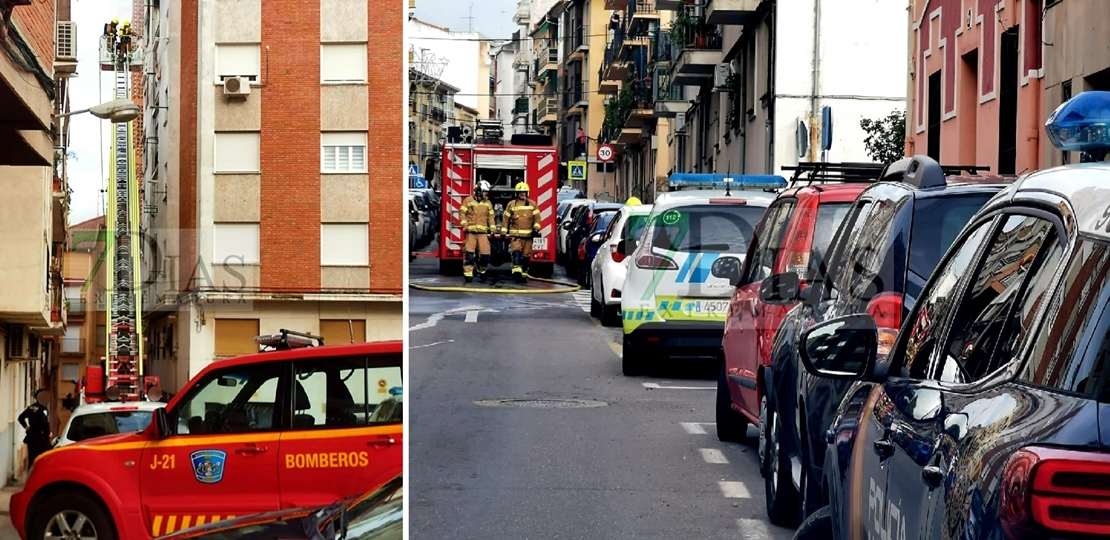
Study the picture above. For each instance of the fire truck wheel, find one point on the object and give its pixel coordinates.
(541, 270)
(71, 514)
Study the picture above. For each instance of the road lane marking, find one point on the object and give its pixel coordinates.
(434, 319)
(472, 316)
(657, 386)
(694, 428)
(734, 490)
(712, 455)
(617, 348)
(753, 528)
(430, 344)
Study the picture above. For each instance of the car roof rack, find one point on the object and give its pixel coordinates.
(819, 172)
(924, 172)
(289, 339)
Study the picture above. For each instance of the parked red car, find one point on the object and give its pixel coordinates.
(793, 236)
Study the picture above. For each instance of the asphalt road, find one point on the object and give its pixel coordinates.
(643, 463)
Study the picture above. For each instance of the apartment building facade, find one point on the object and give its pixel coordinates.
(431, 112)
(461, 59)
(977, 91)
(543, 79)
(38, 58)
(273, 180)
(583, 36)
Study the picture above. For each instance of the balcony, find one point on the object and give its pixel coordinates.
(613, 68)
(522, 14)
(575, 99)
(75, 305)
(668, 5)
(58, 209)
(521, 107)
(633, 40)
(546, 62)
(731, 12)
(638, 14)
(437, 114)
(73, 345)
(547, 112)
(616, 5)
(698, 56)
(578, 42)
(668, 97)
(629, 135)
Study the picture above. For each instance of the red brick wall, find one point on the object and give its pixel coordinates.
(290, 153)
(36, 22)
(187, 143)
(137, 79)
(386, 150)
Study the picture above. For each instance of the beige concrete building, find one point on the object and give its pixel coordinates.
(273, 178)
(583, 40)
(431, 110)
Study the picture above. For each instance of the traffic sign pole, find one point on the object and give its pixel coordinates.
(604, 155)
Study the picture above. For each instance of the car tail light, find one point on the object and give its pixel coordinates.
(1064, 491)
(886, 309)
(616, 293)
(796, 253)
(651, 261)
(618, 256)
(123, 409)
(582, 251)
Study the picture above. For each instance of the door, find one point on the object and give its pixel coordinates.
(222, 460)
(959, 388)
(741, 352)
(346, 434)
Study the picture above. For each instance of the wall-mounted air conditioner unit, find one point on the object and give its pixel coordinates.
(237, 86)
(65, 48)
(19, 343)
(721, 74)
(680, 123)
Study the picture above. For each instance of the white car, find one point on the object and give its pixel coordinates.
(564, 223)
(424, 220)
(98, 419)
(609, 266)
(673, 304)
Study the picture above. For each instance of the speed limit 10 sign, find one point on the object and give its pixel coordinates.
(605, 153)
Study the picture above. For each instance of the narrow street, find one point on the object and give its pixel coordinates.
(623, 458)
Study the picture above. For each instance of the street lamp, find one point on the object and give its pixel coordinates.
(118, 111)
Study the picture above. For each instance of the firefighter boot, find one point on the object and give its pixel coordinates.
(483, 267)
(468, 267)
(517, 271)
(524, 269)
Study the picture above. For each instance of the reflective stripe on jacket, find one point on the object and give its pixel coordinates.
(521, 218)
(476, 216)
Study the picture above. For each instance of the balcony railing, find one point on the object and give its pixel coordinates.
(578, 37)
(546, 106)
(521, 106)
(661, 47)
(548, 57)
(576, 90)
(73, 345)
(662, 89)
(641, 7)
(437, 114)
(75, 304)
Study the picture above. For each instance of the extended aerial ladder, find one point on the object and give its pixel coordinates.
(123, 363)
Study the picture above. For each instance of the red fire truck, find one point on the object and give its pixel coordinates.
(469, 157)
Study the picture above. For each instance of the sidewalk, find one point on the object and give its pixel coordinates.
(7, 532)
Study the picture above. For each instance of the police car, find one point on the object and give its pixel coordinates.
(91, 420)
(298, 427)
(675, 298)
(610, 265)
(988, 419)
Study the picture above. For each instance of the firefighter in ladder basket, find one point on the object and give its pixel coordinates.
(521, 222)
(476, 218)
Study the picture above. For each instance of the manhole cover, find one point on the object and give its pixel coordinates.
(541, 403)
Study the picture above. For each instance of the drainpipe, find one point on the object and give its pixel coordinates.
(771, 93)
(815, 142)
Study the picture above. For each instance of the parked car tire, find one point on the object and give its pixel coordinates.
(72, 506)
(782, 496)
(631, 366)
(731, 426)
(818, 526)
(595, 306)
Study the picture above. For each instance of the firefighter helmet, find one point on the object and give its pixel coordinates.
(126, 24)
(115, 21)
(521, 186)
(482, 187)
(633, 201)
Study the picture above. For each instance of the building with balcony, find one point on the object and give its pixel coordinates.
(746, 86)
(544, 74)
(582, 29)
(977, 89)
(509, 64)
(431, 112)
(275, 188)
(39, 56)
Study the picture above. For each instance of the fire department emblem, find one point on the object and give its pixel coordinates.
(208, 465)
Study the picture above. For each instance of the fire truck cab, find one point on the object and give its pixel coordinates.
(474, 155)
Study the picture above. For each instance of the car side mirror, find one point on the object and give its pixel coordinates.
(161, 423)
(566, 226)
(780, 289)
(596, 238)
(727, 268)
(955, 425)
(841, 348)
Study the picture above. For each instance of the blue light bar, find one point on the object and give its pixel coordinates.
(1081, 124)
(739, 181)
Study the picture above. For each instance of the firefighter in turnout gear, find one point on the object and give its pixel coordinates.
(476, 218)
(521, 222)
(111, 30)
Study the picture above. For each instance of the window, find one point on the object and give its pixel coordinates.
(235, 243)
(931, 312)
(237, 152)
(988, 323)
(769, 241)
(236, 336)
(236, 400)
(338, 332)
(72, 342)
(829, 218)
(237, 60)
(716, 228)
(347, 391)
(1072, 352)
(343, 63)
(937, 222)
(107, 423)
(344, 244)
(101, 335)
(71, 372)
(343, 152)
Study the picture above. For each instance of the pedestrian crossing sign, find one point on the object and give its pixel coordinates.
(412, 170)
(577, 170)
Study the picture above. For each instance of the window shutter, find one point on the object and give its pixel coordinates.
(344, 244)
(235, 243)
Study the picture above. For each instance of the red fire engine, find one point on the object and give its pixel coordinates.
(469, 157)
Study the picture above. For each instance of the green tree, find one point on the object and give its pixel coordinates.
(886, 137)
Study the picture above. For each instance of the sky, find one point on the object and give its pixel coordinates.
(87, 165)
(492, 18)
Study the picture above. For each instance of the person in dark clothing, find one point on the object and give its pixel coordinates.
(35, 420)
